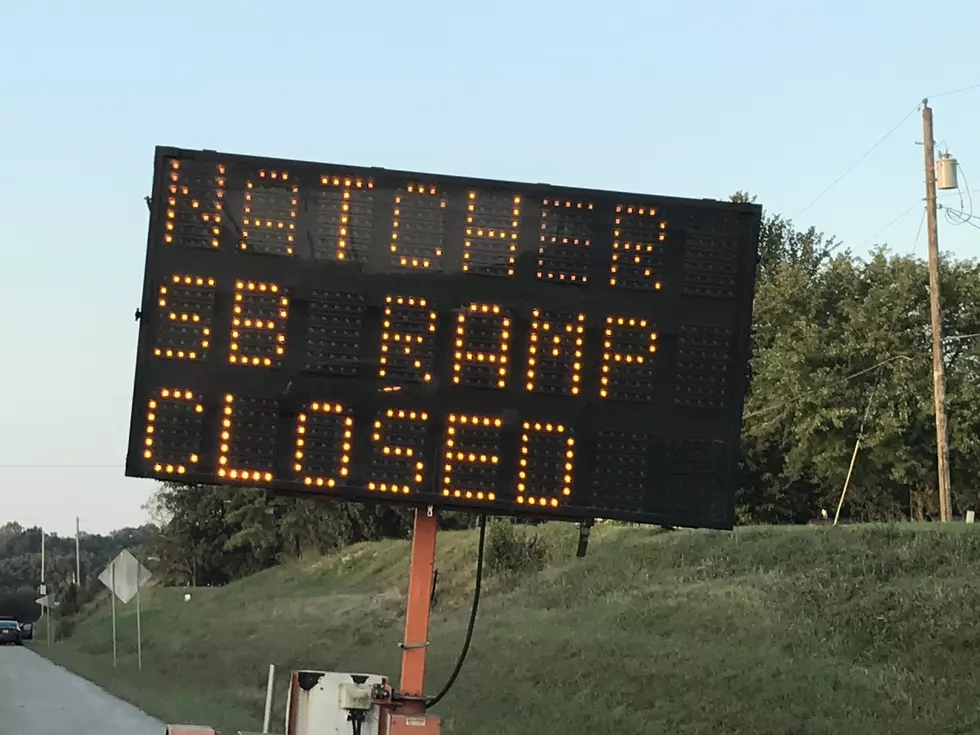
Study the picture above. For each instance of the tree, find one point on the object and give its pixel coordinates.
(211, 535)
(829, 330)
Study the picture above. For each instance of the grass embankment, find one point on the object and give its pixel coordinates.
(866, 629)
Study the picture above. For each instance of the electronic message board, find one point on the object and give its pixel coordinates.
(379, 335)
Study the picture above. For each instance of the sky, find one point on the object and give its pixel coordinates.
(695, 98)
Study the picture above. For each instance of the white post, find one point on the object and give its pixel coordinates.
(139, 630)
(268, 698)
(113, 594)
(45, 611)
(78, 558)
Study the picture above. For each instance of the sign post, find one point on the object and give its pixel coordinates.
(113, 587)
(46, 601)
(124, 576)
(139, 633)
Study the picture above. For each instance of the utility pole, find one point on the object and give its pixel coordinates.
(78, 558)
(938, 373)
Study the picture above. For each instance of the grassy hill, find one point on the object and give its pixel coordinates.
(861, 629)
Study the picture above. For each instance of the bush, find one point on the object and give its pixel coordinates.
(69, 601)
(514, 549)
(64, 628)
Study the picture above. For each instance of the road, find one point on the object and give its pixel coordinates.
(39, 698)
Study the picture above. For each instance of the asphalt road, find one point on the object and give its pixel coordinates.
(39, 698)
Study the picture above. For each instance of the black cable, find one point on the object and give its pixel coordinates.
(858, 162)
(432, 701)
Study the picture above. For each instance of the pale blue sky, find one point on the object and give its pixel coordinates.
(693, 98)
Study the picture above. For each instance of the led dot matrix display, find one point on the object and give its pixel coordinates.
(637, 248)
(269, 218)
(490, 245)
(322, 453)
(408, 337)
(258, 321)
(185, 307)
(172, 436)
(480, 347)
(388, 336)
(418, 236)
(195, 205)
(400, 440)
(555, 350)
(343, 211)
(472, 457)
(567, 230)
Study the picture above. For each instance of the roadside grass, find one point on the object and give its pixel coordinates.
(790, 630)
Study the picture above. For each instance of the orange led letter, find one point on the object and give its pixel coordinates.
(185, 310)
(627, 356)
(418, 227)
(269, 220)
(194, 204)
(324, 432)
(566, 236)
(343, 212)
(253, 444)
(172, 438)
(554, 353)
(398, 451)
(637, 248)
(481, 345)
(492, 223)
(258, 325)
(547, 464)
(472, 457)
(408, 340)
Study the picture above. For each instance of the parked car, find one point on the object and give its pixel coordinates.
(10, 633)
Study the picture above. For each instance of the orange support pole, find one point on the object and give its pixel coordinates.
(418, 610)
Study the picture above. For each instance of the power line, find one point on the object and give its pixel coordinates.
(968, 221)
(858, 162)
(61, 466)
(847, 378)
(918, 234)
(841, 381)
(877, 232)
(881, 140)
(955, 91)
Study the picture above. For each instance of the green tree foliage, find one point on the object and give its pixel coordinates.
(208, 535)
(829, 329)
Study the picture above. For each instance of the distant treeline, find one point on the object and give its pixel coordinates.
(20, 565)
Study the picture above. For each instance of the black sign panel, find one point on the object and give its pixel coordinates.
(380, 335)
